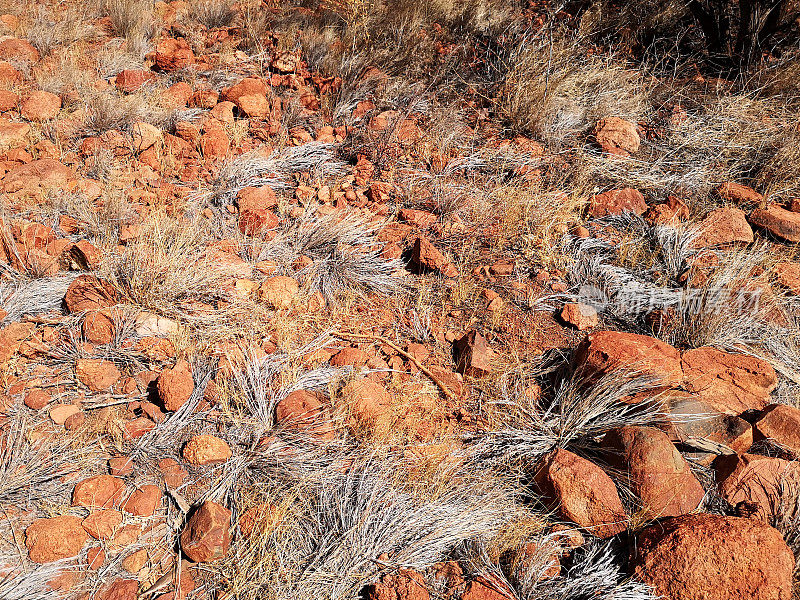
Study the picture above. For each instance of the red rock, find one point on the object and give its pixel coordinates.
(135, 428)
(40, 106)
(256, 519)
(119, 589)
(174, 474)
(175, 386)
(37, 399)
(778, 221)
(132, 80)
(370, 406)
(204, 99)
(95, 558)
(48, 540)
(655, 471)
(731, 383)
(215, 143)
(406, 584)
(617, 136)
(736, 193)
(544, 556)
(102, 524)
(581, 492)
(691, 418)
(699, 557)
(250, 96)
(8, 100)
(177, 95)
(14, 135)
(788, 276)
(473, 355)
(280, 292)
(206, 450)
(98, 327)
(580, 316)
(86, 255)
(255, 221)
(17, 49)
(418, 351)
(207, 533)
(780, 424)
(96, 374)
(482, 588)
(119, 466)
(100, 491)
(304, 410)
(172, 54)
(724, 226)
(88, 292)
(59, 413)
(349, 357)
(11, 338)
(38, 176)
(256, 198)
(756, 483)
(604, 352)
(145, 136)
(428, 257)
(419, 218)
(223, 112)
(616, 202)
(144, 501)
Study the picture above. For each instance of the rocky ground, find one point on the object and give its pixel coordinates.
(398, 301)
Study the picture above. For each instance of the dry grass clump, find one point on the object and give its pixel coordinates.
(131, 19)
(32, 583)
(345, 253)
(327, 542)
(577, 412)
(63, 74)
(734, 308)
(720, 137)
(275, 170)
(47, 32)
(114, 111)
(35, 470)
(556, 90)
(33, 296)
(638, 273)
(167, 271)
(212, 13)
(346, 37)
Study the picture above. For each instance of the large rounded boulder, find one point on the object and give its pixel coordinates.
(711, 557)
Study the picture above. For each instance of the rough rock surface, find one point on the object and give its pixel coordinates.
(582, 492)
(207, 534)
(655, 471)
(697, 557)
(731, 383)
(604, 352)
(56, 538)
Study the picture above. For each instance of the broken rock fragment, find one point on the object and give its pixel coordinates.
(207, 534)
(473, 355)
